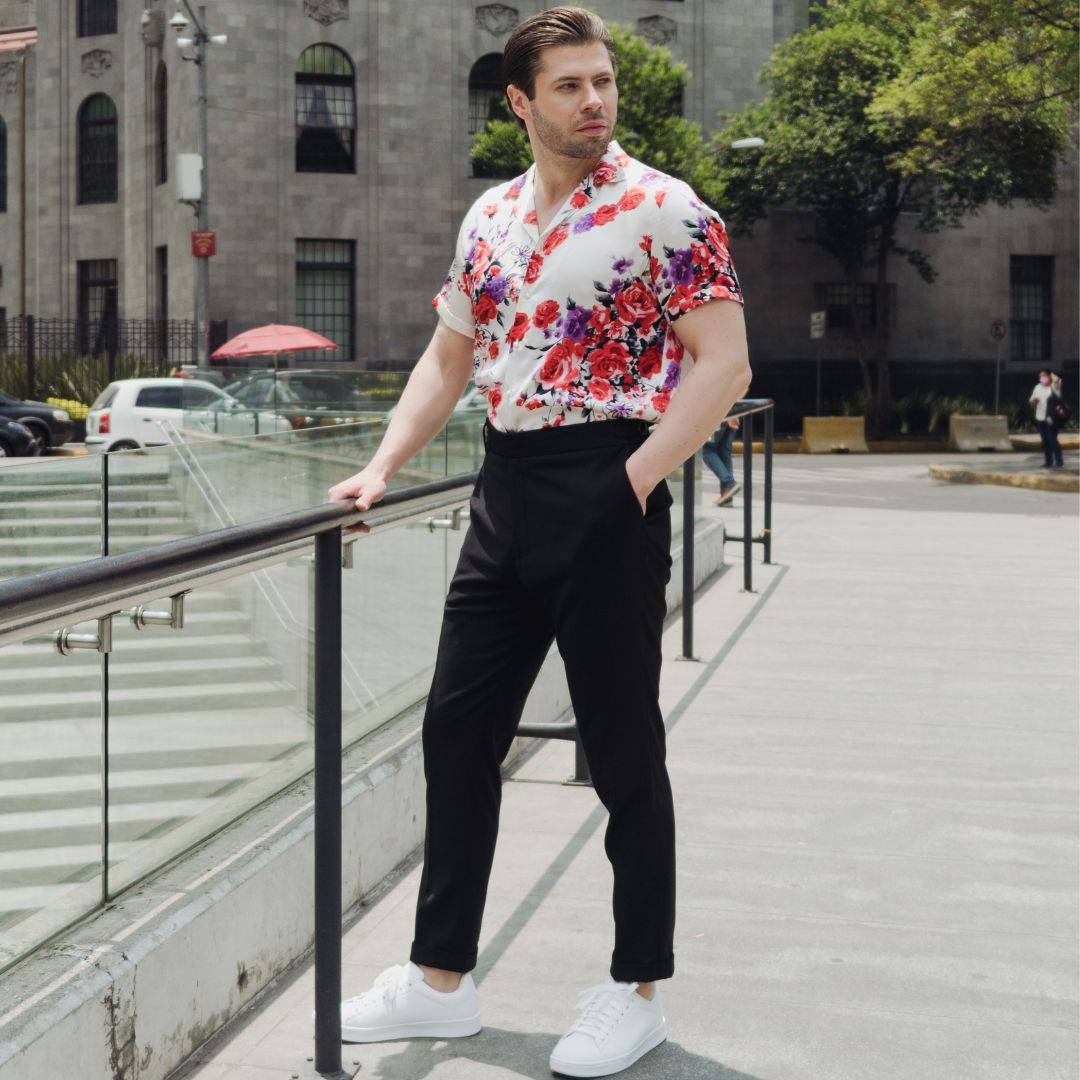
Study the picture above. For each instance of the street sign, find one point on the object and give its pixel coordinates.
(203, 244)
(997, 329)
(817, 324)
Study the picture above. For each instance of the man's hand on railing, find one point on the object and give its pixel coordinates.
(364, 489)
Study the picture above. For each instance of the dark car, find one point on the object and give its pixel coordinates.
(16, 440)
(50, 426)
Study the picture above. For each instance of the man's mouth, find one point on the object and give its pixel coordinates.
(593, 128)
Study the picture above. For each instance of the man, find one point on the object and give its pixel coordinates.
(561, 302)
(716, 453)
(1048, 385)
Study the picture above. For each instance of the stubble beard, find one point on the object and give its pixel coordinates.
(578, 145)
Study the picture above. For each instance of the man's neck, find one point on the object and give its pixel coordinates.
(557, 176)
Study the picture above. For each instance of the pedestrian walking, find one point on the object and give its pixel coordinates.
(1047, 388)
(594, 301)
(716, 453)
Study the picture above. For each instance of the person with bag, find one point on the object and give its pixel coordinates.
(1051, 413)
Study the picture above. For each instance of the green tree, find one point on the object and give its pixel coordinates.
(884, 108)
(650, 123)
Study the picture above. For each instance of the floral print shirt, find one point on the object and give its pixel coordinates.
(577, 324)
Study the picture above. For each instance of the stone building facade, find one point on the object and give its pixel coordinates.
(360, 253)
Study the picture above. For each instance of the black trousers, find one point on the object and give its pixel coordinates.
(1050, 444)
(557, 549)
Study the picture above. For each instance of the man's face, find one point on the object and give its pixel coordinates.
(577, 102)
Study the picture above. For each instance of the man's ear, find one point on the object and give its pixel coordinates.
(517, 98)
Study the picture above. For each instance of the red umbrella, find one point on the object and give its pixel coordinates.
(273, 338)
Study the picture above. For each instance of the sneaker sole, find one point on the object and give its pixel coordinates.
(420, 1029)
(612, 1065)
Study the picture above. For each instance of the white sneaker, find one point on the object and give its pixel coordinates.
(400, 1005)
(616, 1027)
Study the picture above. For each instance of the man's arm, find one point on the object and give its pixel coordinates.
(427, 402)
(715, 336)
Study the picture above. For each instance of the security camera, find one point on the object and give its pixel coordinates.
(178, 22)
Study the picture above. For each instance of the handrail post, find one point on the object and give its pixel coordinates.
(748, 517)
(688, 559)
(769, 418)
(327, 672)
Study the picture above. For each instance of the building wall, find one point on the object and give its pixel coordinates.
(412, 184)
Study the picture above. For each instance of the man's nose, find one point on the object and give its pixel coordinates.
(592, 99)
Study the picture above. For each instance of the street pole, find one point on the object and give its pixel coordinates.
(203, 284)
(997, 377)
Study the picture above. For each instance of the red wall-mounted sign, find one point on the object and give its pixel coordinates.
(203, 244)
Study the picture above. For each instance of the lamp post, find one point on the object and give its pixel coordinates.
(200, 38)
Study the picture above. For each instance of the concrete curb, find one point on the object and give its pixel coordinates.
(958, 474)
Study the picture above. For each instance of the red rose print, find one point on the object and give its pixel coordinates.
(604, 173)
(560, 367)
(716, 236)
(606, 213)
(637, 306)
(578, 199)
(532, 272)
(493, 350)
(623, 159)
(484, 310)
(600, 389)
(489, 210)
(609, 360)
(555, 239)
(660, 400)
(530, 218)
(631, 198)
(521, 324)
(649, 363)
(660, 196)
(494, 397)
(601, 318)
(546, 314)
(480, 257)
(646, 243)
(683, 298)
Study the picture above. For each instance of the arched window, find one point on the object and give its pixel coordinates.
(487, 101)
(161, 123)
(486, 98)
(325, 111)
(3, 166)
(96, 17)
(97, 180)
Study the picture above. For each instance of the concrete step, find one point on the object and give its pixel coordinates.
(134, 701)
(46, 528)
(164, 505)
(126, 673)
(118, 493)
(158, 645)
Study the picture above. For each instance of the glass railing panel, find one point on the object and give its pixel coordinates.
(50, 513)
(50, 790)
(206, 721)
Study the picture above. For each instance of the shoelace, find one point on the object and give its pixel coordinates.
(387, 985)
(602, 1007)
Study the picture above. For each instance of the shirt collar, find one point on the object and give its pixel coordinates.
(608, 171)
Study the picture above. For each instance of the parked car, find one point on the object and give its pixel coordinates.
(296, 387)
(473, 401)
(17, 440)
(126, 413)
(49, 425)
(193, 371)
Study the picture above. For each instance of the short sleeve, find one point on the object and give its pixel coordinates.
(453, 301)
(690, 260)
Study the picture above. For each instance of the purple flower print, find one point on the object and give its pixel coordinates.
(496, 288)
(680, 268)
(576, 321)
(585, 223)
(671, 378)
(620, 266)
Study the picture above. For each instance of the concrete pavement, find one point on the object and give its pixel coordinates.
(874, 766)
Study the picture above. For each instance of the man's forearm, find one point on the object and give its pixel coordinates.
(423, 409)
(696, 409)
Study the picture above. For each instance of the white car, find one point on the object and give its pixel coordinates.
(127, 412)
(472, 402)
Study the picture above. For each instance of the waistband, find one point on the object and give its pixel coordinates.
(566, 437)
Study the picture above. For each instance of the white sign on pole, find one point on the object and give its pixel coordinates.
(817, 324)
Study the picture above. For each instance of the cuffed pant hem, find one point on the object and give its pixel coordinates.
(440, 958)
(658, 969)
